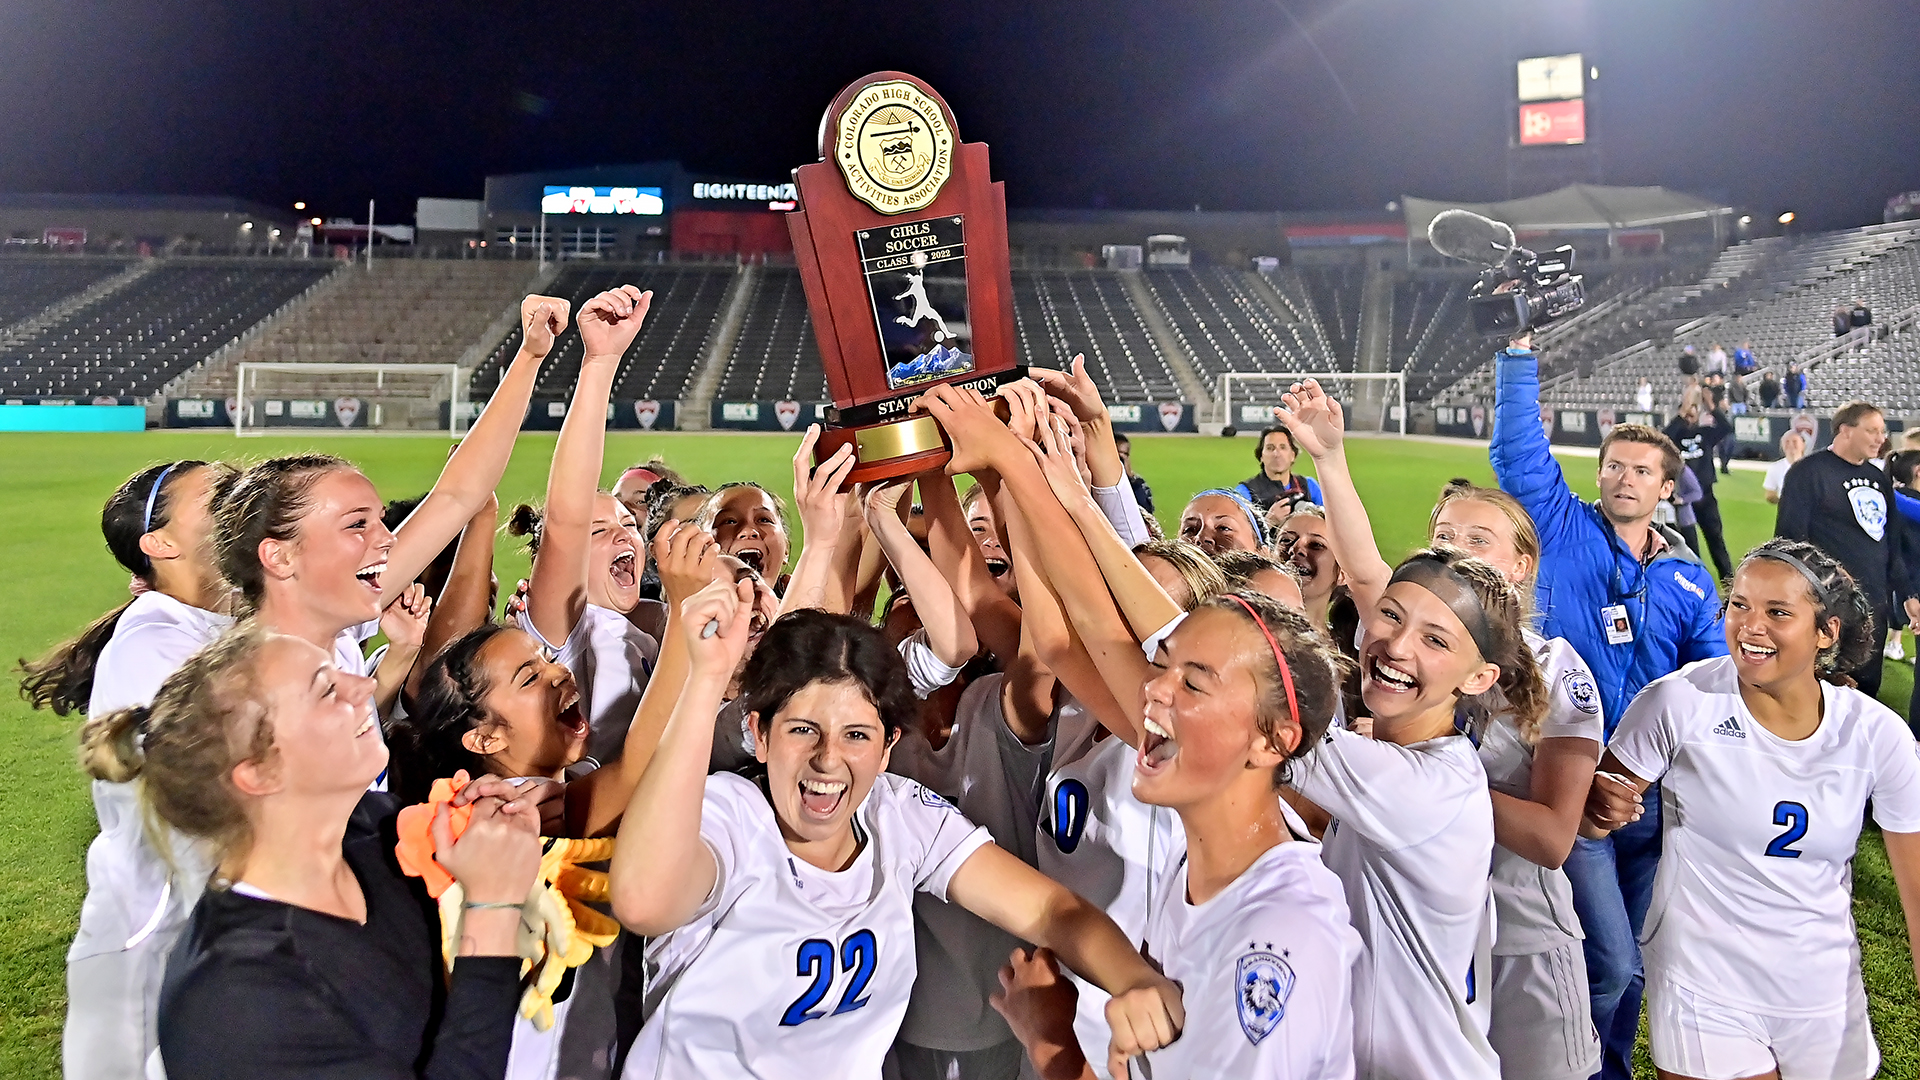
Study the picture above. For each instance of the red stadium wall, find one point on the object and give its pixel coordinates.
(730, 232)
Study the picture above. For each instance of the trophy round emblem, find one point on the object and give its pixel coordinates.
(894, 147)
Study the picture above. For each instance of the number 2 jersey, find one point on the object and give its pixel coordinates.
(789, 970)
(1752, 906)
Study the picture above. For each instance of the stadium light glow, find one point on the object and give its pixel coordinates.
(1786, 218)
(299, 206)
(1746, 219)
(315, 222)
(246, 225)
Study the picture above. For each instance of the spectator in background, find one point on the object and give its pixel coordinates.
(1792, 448)
(1714, 392)
(1142, 494)
(1717, 360)
(1689, 361)
(1697, 431)
(1744, 362)
(1769, 389)
(1842, 319)
(1275, 481)
(1860, 322)
(1686, 492)
(1795, 387)
(1837, 500)
(1903, 469)
(1643, 396)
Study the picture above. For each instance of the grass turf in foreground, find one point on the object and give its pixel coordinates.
(52, 487)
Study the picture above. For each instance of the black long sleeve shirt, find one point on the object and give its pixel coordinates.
(263, 990)
(1848, 511)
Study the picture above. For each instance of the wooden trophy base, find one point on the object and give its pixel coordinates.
(885, 451)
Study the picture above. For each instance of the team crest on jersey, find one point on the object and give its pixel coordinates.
(1580, 690)
(1870, 510)
(1263, 985)
(935, 799)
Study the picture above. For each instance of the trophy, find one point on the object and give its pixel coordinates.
(901, 238)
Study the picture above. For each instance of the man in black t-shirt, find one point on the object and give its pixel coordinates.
(1276, 482)
(1837, 499)
(1696, 432)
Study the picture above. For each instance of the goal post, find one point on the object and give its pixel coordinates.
(1371, 400)
(357, 398)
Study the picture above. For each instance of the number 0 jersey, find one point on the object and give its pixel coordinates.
(788, 970)
(1752, 905)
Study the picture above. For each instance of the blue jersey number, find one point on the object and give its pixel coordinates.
(1794, 817)
(1071, 801)
(859, 953)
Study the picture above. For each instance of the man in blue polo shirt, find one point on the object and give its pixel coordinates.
(1637, 605)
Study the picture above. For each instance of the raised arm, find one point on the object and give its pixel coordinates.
(689, 560)
(949, 630)
(982, 441)
(1521, 456)
(557, 589)
(474, 470)
(1319, 424)
(824, 515)
(662, 870)
(996, 618)
(1146, 1011)
(1050, 652)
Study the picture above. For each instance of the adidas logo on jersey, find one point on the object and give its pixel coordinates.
(1729, 727)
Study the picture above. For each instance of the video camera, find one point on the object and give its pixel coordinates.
(1543, 286)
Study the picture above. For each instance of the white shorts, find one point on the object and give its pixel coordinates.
(1542, 1017)
(1695, 1037)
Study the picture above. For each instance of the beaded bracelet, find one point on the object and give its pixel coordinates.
(500, 905)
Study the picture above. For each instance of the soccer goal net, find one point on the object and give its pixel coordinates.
(351, 397)
(1372, 401)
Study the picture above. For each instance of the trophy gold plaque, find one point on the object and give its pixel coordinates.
(901, 239)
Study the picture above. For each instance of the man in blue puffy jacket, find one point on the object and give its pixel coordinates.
(1636, 604)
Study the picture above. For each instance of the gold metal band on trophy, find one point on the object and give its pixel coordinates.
(900, 439)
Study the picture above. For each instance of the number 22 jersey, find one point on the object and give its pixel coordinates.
(1752, 905)
(789, 970)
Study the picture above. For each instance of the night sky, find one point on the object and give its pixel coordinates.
(1810, 105)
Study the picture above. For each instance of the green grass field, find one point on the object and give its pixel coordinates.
(52, 487)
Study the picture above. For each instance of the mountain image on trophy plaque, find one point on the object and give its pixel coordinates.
(901, 240)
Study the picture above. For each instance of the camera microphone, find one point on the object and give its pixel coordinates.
(1463, 234)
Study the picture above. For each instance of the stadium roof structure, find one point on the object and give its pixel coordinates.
(201, 204)
(1577, 208)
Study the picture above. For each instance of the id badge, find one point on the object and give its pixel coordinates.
(1619, 630)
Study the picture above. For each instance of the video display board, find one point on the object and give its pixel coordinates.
(1553, 123)
(645, 201)
(1552, 78)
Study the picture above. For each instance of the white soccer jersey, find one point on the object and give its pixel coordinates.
(788, 970)
(925, 670)
(995, 780)
(1111, 848)
(1412, 842)
(127, 880)
(1752, 905)
(610, 659)
(1535, 904)
(349, 649)
(1265, 969)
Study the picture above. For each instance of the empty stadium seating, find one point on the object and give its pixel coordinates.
(401, 311)
(31, 284)
(661, 361)
(1783, 303)
(1060, 313)
(136, 339)
(1225, 324)
(775, 357)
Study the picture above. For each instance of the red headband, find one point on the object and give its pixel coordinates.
(1286, 673)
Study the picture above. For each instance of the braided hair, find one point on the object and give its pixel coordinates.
(1838, 597)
